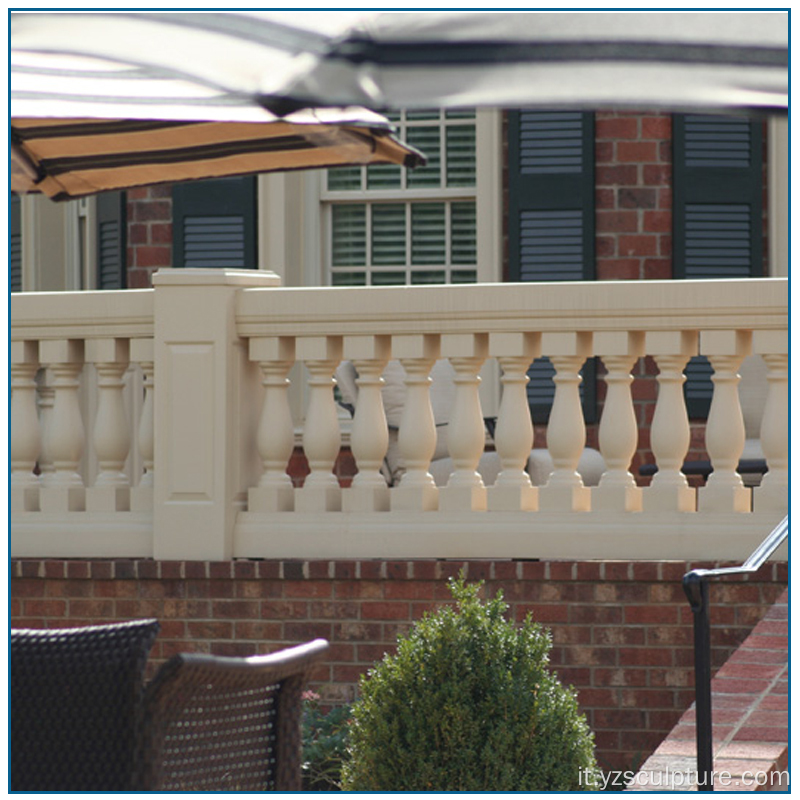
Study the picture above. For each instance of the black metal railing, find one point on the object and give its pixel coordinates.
(695, 584)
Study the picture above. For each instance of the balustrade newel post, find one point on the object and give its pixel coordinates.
(513, 434)
(670, 434)
(725, 432)
(322, 438)
(275, 439)
(24, 435)
(64, 490)
(417, 436)
(111, 437)
(369, 437)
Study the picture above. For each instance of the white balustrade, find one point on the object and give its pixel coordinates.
(141, 353)
(466, 435)
(566, 430)
(111, 433)
(670, 434)
(216, 440)
(275, 357)
(725, 433)
(513, 435)
(24, 438)
(321, 435)
(369, 438)
(619, 429)
(417, 436)
(64, 433)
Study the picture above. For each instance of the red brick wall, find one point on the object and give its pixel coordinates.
(622, 631)
(149, 233)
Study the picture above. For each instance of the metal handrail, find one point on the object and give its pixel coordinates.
(695, 585)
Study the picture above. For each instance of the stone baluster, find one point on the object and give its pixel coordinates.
(566, 431)
(142, 352)
(369, 438)
(24, 438)
(773, 493)
(725, 432)
(466, 433)
(670, 434)
(513, 434)
(64, 432)
(322, 438)
(111, 433)
(275, 492)
(47, 396)
(417, 435)
(619, 430)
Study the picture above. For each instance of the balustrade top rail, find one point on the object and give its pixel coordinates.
(127, 313)
(567, 306)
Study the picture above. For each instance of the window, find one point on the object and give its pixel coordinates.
(717, 215)
(214, 223)
(551, 222)
(386, 225)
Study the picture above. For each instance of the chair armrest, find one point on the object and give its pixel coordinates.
(238, 717)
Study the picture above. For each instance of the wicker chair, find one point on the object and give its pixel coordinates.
(81, 718)
(74, 699)
(212, 723)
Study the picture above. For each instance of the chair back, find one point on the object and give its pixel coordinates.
(74, 699)
(214, 723)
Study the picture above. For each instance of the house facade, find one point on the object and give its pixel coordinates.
(592, 238)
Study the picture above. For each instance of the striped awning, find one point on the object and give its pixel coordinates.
(224, 93)
(67, 158)
(83, 122)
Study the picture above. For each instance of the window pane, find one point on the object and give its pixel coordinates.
(460, 113)
(463, 276)
(349, 247)
(383, 176)
(423, 115)
(461, 155)
(427, 276)
(428, 233)
(342, 179)
(389, 233)
(463, 237)
(388, 278)
(349, 279)
(427, 139)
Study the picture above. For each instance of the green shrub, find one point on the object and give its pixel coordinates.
(325, 737)
(468, 704)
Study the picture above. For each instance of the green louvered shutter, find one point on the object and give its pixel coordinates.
(551, 221)
(14, 244)
(111, 240)
(717, 214)
(214, 223)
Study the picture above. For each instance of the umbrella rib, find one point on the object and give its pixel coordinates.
(359, 51)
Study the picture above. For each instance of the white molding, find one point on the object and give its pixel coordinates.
(778, 195)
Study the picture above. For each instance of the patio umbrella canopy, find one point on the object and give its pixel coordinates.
(683, 60)
(81, 125)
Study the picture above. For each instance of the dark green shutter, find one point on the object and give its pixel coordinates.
(214, 223)
(14, 244)
(717, 214)
(551, 230)
(111, 240)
